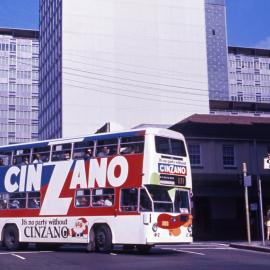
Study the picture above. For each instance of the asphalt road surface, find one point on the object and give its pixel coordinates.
(195, 256)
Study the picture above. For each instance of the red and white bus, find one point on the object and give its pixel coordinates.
(130, 188)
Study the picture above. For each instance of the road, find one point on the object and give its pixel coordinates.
(195, 256)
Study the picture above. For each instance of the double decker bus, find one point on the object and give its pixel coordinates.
(130, 188)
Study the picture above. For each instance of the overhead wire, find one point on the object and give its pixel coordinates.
(137, 81)
(123, 95)
(133, 72)
(136, 66)
(132, 85)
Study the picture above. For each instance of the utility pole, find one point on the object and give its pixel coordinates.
(259, 188)
(259, 182)
(246, 200)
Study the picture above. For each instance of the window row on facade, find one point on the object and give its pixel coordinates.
(252, 64)
(228, 155)
(249, 76)
(13, 47)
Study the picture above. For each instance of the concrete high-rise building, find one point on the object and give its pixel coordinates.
(249, 74)
(19, 77)
(130, 62)
(249, 83)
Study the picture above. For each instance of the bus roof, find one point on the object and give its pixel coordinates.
(100, 136)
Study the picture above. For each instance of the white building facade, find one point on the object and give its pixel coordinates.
(19, 78)
(129, 62)
(249, 74)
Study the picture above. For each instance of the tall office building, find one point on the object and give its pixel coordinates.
(19, 61)
(130, 62)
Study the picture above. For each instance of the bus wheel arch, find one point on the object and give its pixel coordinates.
(102, 237)
(11, 237)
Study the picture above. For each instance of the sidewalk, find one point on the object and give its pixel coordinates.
(254, 245)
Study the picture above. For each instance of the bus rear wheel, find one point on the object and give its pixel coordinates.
(103, 237)
(11, 238)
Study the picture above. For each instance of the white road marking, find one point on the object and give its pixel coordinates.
(113, 254)
(24, 252)
(209, 248)
(191, 252)
(185, 251)
(18, 256)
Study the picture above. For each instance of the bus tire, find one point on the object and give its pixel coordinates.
(103, 239)
(144, 248)
(91, 246)
(11, 238)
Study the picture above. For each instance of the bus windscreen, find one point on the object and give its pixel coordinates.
(170, 146)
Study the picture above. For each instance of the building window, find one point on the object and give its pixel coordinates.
(195, 154)
(228, 155)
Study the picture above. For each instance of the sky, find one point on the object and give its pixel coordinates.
(248, 21)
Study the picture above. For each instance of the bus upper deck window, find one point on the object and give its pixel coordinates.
(61, 152)
(107, 147)
(41, 154)
(132, 145)
(83, 150)
(21, 157)
(5, 158)
(162, 145)
(178, 148)
(170, 146)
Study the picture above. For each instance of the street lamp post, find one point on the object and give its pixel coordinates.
(261, 208)
(246, 202)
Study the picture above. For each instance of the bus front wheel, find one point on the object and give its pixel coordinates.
(11, 238)
(103, 238)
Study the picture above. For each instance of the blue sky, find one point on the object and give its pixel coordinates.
(248, 21)
(19, 13)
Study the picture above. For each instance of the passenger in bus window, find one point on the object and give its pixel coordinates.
(104, 152)
(14, 204)
(88, 154)
(14, 161)
(3, 204)
(101, 201)
(2, 162)
(37, 158)
(82, 201)
(25, 161)
(33, 203)
(66, 156)
(108, 201)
